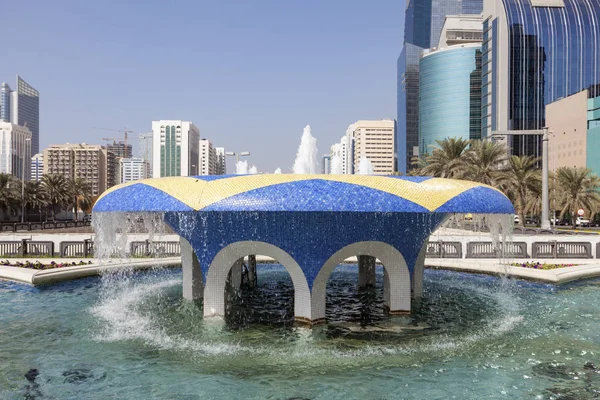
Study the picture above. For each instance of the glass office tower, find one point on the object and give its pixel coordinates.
(535, 52)
(423, 23)
(28, 111)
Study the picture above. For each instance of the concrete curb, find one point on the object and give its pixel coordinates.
(44, 277)
(586, 269)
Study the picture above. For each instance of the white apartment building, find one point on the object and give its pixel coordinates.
(175, 148)
(208, 158)
(37, 167)
(221, 164)
(375, 140)
(15, 150)
(133, 169)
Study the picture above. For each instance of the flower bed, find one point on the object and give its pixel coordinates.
(40, 265)
(539, 265)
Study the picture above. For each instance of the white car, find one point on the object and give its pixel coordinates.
(580, 221)
(517, 219)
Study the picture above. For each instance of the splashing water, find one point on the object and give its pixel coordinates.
(253, 170)
(241, 167)
(336, 164)
(277, 171)
(306, 159)
(365, 167)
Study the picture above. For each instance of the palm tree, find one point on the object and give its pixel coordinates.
(522, 182)
(578, 188)
(485, 163)
(8, 194)
(446, 159)
(56, 189)
(81, 193)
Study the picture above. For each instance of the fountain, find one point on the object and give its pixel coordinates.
(336, 165)
(277, 171)
(306, 159)
(253, 170)
(308, 223)
(365, 167)
(241, 167)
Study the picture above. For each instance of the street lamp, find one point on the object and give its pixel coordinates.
(27, 141)
(238, 154)
(544, 134)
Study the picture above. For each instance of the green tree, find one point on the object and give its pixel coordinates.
(485, 163)
(579, 188)
(8, 195)
(446, 159)
(81, 194)
(522, 182)
(57, 192)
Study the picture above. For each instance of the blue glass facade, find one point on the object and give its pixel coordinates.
(593, 134)
(29, 112)
(450, 96)
(424, 20)
(5, 102)
(553, 52)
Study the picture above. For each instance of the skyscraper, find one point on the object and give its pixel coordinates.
(535, 52)
(175, 150)
(22, 107)
(423, 23)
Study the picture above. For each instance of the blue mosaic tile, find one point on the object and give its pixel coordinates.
(139, 197)
(209, 178)
(316, 195)
(478, 200)
(416, 179)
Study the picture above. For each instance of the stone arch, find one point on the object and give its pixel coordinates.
(216, 277)
(396, 276)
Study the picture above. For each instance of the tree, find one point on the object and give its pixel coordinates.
(485, 163)
(57, 193)
(522, 182)
(447, 159)
(578, 188)
(81, 193)
(8, 195)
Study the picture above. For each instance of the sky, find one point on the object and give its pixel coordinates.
(249, 74)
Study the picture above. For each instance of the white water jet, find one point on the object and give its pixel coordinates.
(365, 167)
(241, 167)
(277, 171)
(336, 164)
(306, 158)
(253, 170)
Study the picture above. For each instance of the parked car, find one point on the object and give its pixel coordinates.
(582, 222)
(517, 219)
(87, 218)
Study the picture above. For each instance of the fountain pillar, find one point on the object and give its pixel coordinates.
(418, 270)
(252, 270)
(235, 276)
(192, 274)
(366, 271)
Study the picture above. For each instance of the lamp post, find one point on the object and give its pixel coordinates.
(238, 154)
(544, 132)
(27, 140)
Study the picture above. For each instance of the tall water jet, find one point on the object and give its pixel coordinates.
(277, 171)
(241, 167)
(253, 170)
(306, 158)
(336, 164)
(365, 167)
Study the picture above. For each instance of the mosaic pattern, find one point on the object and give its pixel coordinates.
(281, 192)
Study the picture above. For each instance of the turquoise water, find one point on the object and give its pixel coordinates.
(130, 336)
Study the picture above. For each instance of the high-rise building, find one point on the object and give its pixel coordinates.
(450, 95)
(145, 150)
(133, 169)
(120, 149)
(37, 167)
(175, 150)
(221, 161)
(375, 140)
(5, 100)
(326, 164)
(534, 53)
(15, 150)
(424, 20)
(208, 158)
(574, 125)
(92, 163)
(22, 107)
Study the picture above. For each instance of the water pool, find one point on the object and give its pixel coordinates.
(131, 336)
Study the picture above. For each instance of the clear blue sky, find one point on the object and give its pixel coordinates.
(249, 73)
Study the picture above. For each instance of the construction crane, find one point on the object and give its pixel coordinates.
(114, 140)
